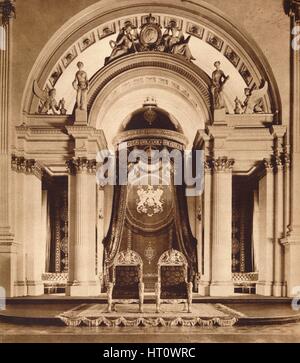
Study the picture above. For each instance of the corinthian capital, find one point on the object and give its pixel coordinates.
(8, 10)
(293, 9)
(222, 164)
(81, 165)
(33, 167)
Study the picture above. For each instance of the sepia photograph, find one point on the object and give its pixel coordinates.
(149, 174)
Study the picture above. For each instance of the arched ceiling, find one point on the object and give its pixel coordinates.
(82, 38)
(207, 46)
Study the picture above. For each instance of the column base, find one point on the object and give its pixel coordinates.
(264, 288)
(83, 288)
(35, 288)
(203, 288)
(292, 267)
(279, 289)
(221, 288)
(20, 288)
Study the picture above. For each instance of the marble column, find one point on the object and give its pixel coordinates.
(7, 245)
(278, 281)
(204, 283)
(266, 230)
(82, 216)
(292, 241)
(100, 232)
(18, 167)
(222, 284)
(33, 227)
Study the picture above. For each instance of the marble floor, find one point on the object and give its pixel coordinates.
(11, 333)
(37, 333)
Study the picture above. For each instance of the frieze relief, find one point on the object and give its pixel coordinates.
(150, 32)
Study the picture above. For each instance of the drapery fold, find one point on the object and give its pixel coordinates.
(112, 241)
(187, 243)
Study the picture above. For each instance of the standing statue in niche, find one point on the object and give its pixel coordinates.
(127, 42)
(81, 85)
(175, 43)
(218, 82)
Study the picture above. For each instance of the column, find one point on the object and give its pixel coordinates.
(266, 231)
(222, 284)
(82, 210)
(7, 247)
(18, 166)
(33, 227)
(292, 241)
(204, 283)
(100, 232)
(278, 283)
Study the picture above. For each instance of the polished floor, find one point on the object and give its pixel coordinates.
(43, 333)
(11, 333)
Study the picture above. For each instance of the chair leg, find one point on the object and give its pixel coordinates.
(141, 307)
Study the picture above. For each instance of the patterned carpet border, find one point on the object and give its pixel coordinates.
(75, 319)
(147, 322)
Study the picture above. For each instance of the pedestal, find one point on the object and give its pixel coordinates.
(80, 117)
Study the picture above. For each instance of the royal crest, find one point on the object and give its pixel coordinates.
(149, 200)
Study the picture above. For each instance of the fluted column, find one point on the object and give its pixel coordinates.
(203, 284)
(100, 231)
(82, 197)
(33, 227)
(221, 284)
(278, 283)
(18, 167)
(266, 230)
(292, 241)
(7, 247)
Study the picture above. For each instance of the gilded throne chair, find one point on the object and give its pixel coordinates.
(173, 285)
(127, 280)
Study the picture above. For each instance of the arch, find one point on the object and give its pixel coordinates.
(199, 13)
(119, 89)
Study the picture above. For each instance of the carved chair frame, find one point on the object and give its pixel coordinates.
(173, 257)
(126, 258)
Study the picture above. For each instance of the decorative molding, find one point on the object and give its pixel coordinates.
(294, 9)
(172, 258)
(157, 137)
(222, 164)
(268, 164)
(191, 73)
(27, 166)
(81, 165)
(8, 11)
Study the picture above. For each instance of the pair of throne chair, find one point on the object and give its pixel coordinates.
(127, 280)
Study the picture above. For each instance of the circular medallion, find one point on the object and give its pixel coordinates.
(150, 35)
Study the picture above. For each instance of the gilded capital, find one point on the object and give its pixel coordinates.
(33, 167)
(8, 11)
(268, 164)
(293, 7)
(81, 165)
(222, 164)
